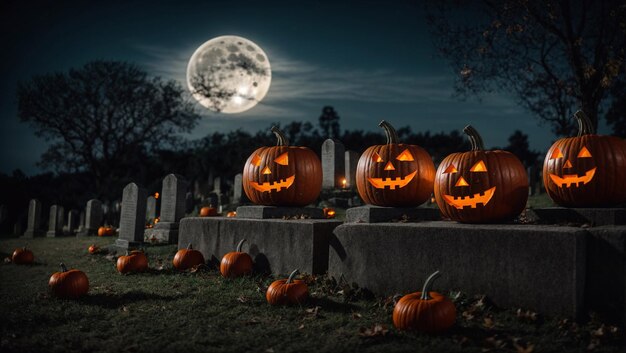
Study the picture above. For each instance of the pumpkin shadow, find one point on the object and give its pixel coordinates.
(332, 306)
(112, 301)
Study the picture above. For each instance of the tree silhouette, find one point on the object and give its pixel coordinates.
(518, 145)
(104, 118)
(556, 56)
(329, 122)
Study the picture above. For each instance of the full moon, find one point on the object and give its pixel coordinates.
(229, 74)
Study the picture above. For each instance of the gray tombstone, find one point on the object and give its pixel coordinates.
(72, 221)
(151, 209)
(93, 218)
(81, 222)
(351, 161)
(238, 189)
(173, 197)
(55, 221)
(132, 219)
(217, 185)
(33, 227)
(333, 160)
(188, 203)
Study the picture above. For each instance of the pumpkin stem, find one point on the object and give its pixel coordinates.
(189, 247)
(282, 139)
(390, 132)
(428, 285)
(240, 245)
(474, 137)
(585, 127)
(292, 275)
(63, 267)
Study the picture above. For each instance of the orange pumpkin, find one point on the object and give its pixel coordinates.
(23, 256)
(425, 311)
(586, 170)
(68, 284)
(106, 231)
(236, 263)
(282, 175)
(208, 211)
(231, 214)
(93, 248)
(287, 291)
(394, 174)
(329, 212)
(187, 258)
(136, 261)
(481, 186)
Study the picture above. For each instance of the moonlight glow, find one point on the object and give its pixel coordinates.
(229, 74)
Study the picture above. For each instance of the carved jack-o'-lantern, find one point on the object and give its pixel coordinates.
(394, 174)
(282, 175)
(481, 186)
(586, 170)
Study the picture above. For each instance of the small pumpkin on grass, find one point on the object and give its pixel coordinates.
(93, 249)
(136, 261)
(287, 291)
(187, 258)
(208, 211)
(231, 214)
(329, 212)
(106, 231)
(425, 311)
(68, 284)
(236, 263)
(23, 256)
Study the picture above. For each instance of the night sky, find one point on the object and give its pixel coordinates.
(370, 60)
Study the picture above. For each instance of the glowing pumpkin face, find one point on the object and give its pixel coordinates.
(394, 174)
(481, 186)
(586, 170)
(282, 175)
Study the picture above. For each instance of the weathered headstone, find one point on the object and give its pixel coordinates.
(217, 185)
(93, 218)
(55, 221)
(173, 198)
(238, 189)
(351, 161)
(33, 226)
(132, 219)
(333, 160)
(81, 222)
(151, 209)
(72, 221)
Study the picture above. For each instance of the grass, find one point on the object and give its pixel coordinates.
(163, 310)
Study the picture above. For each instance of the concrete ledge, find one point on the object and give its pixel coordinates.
(529, 266)
(277, 246)
(377, 214)
(163, 232)
(605, 289)
(269, 212)
(592, 216)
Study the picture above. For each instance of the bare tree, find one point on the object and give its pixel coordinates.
(104, 118)
(555, 56)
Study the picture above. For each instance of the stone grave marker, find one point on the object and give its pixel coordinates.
(55, 221)
(93, 218)
(217, 185)
(33, 226)
(333, 160)
(151, 209)
(133, 217)
(351, 161)
(72, 221)
(173, 198)
(238, 189)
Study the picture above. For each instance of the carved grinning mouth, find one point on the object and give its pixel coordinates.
(573, 179)
(274, 185)
(472, 200)
(395, 183)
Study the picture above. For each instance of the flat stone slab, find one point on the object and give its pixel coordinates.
(378, 214)
(276, 246)
(592, 216)
(536, 267)
(270, 212)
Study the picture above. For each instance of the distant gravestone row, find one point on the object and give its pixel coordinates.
(81, 224)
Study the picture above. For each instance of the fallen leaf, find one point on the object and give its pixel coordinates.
(375, 331)
(301, 327)
(242, 299)
(7, 260)
(356, 316)
(488, 322)
(270, 350)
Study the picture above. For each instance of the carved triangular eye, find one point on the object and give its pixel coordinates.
(556, 154)
(584, 153)
(405, 156)
(283, 159)
(376, 158)
(479, 167)
(256, 160)
(451, 169)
